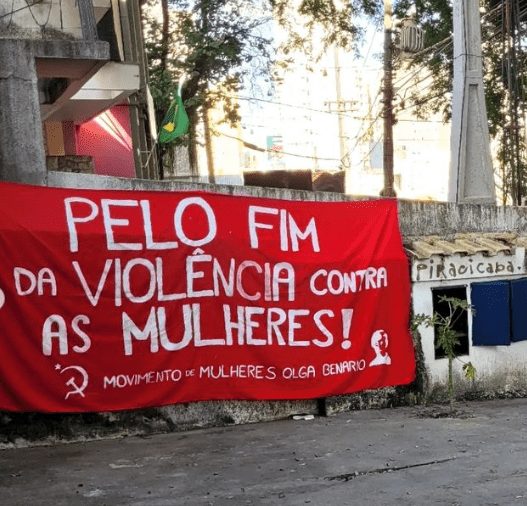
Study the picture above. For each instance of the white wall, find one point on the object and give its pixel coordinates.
(505, 361)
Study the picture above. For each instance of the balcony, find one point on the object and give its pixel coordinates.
(44, 19)
(73, 43)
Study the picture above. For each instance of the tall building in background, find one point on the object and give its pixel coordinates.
(327, 113)
(75, 97)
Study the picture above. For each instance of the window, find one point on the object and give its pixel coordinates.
(518, 312)
(500, 315)
(460, 317)
(491, 317)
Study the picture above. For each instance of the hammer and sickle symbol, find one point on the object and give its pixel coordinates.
(76, 389)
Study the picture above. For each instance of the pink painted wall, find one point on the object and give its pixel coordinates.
(107, 138)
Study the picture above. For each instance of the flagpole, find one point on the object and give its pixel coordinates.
(181, 83)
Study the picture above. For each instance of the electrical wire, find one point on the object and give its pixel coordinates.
(41, 25)
(18, 10)
(487, 39)
(11, 18)
(374, 145)
(284, 104)
(254, 147)
(437, 48)
(420, 68)
(377, 26)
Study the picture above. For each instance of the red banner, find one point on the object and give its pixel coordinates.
(116, 300)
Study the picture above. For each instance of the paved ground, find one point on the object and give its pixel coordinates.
(364, 458)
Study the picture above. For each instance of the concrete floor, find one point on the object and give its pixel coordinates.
(400, 456)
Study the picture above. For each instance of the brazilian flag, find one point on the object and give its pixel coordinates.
(176, 121)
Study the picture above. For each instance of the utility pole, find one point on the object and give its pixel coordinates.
(340, 106)
(388, 190)
(471, 175)
(208, 144)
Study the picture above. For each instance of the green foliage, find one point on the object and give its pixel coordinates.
(214, 43)
(435, 17)
(470, 371)
(447, 336)
(339, 20)
(224, 42)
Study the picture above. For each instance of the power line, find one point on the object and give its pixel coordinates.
(254, 147)
(41, 25)
(421, 102)
(419, 68)
(494, 13)
(445, 43)
(399, 120)
(20, 8)
(377, 26)
(293, 106)
(439, 47)
(11, 18)
(374, 145)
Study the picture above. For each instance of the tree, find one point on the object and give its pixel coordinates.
(502, 27)
(215, 44)
(448, 338)
(221, 45)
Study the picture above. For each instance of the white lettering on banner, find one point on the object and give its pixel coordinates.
(134, 380)
(302, 372)
(55, 327)
(199, 268)
(241, 371)
(334, 282)
(26, 282)
(345, 367)
(211, 221)
(275, 325)
(155, 330)
(149, 331)
(192, 273)
(473, 266)
(94, 299)
(85, 338)
(110, 223)
(234, 371)
(71, 220)
(76, 215)
(289, 229)
(149, 234)
(323, 329)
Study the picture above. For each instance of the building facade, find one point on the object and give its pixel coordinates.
(73, 92)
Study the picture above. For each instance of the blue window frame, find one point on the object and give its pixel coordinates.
(519, 310)
(491, 318)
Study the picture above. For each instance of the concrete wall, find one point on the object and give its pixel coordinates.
(416, 219)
